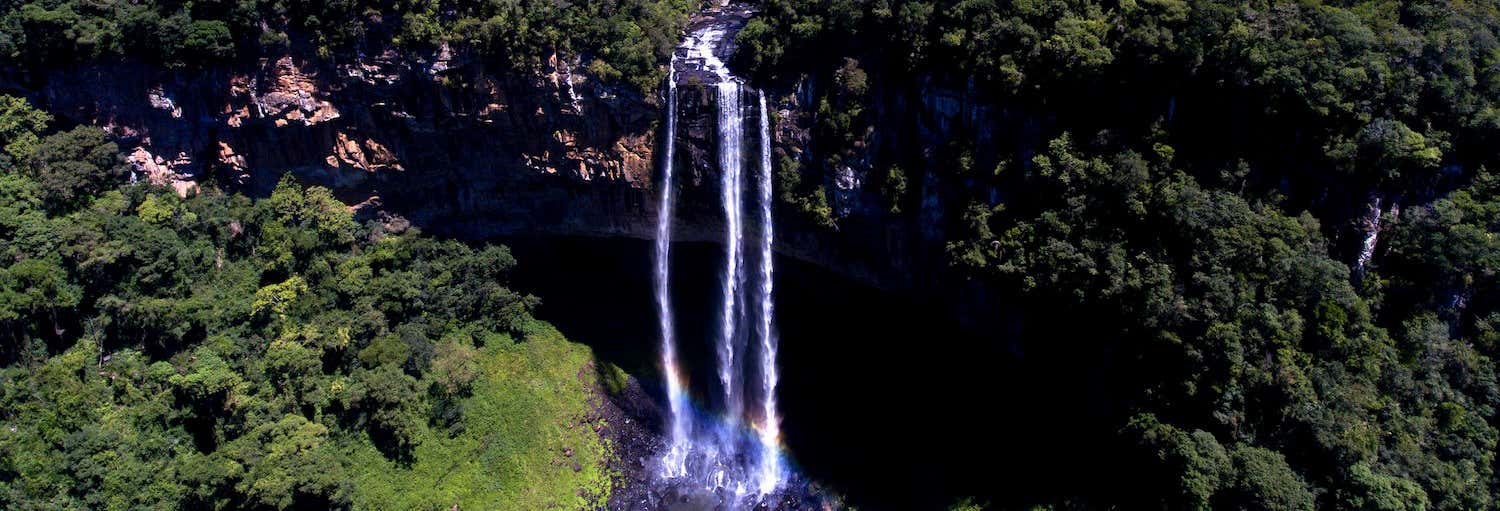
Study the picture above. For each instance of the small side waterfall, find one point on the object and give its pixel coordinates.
(572, 93)
(1371, 224)
(729, 449)
(674, 462)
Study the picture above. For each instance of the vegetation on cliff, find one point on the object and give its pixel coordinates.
(214, 352)
(1311, 97)
(620, 39)
(1187, 186)
(1239, 335)
(1197, 179)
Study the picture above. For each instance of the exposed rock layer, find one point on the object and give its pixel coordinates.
(460, 148)
(456, 146)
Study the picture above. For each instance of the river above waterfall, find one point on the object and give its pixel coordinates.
(708, 44)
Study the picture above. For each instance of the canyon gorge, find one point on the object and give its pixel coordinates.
(441, 142)
(446, 143)
(770, 255)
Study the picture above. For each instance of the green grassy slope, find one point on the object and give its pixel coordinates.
(527, 440)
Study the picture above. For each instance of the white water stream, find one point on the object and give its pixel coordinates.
(738, 449)
(674, 462)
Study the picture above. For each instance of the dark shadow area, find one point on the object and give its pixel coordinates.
(889, 400)
(884, 397)
(600, 292)
(596, 291)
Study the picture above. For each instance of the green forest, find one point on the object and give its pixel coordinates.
(628, 40)
(1183, 184)
(1211, 248)
(216, 352)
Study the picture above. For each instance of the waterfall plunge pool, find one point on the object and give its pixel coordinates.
(884, 399)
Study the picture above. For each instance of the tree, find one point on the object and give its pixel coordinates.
(894, 188)
(208, 41)
(74, 165)
(277, 299)
(23, 222)
(453, 367)
(1378, 492)
(20, 125)
(296, 222)
(1389, 149)
(1264, 481)
(389, 400)
(39, 288)
(207, 377)
(1200, 465)
(289, 461)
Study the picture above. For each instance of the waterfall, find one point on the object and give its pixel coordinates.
(572, 93)
(735, 454)
(731, 156)
(769, 432)
(1371, 224)
(674, 463)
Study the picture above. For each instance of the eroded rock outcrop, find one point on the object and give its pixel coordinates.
(440, 138)
(458, 147)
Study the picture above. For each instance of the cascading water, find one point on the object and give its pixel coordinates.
(674, 462)
(738, 449)
(731, 154)
(1372, 236)
(769, 432)
(572, 93)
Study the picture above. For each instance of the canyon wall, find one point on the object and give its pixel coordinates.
(460, 148)
(438, 138)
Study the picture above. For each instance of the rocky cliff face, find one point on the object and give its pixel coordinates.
(439, 138)
(459, 148)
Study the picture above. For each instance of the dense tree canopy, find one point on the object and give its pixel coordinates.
(1248, 348)
(621, 39)
(1184, 185)
(213, 352)
(1195, 178)
(1314, 98)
